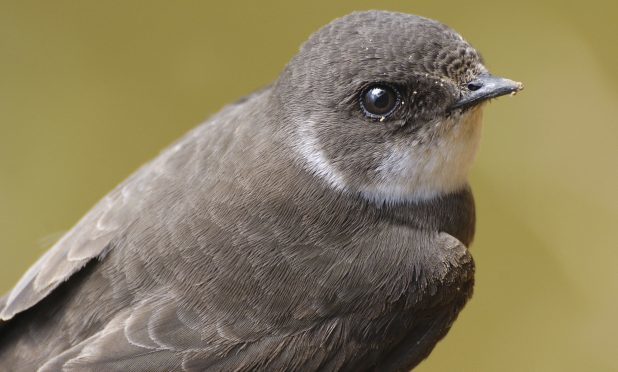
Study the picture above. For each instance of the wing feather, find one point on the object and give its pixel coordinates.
(87, 240)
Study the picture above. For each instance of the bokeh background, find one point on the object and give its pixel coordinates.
(89, 90)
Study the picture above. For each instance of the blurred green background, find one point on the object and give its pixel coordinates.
(89, 90)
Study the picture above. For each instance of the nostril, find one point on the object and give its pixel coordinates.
(474, 86)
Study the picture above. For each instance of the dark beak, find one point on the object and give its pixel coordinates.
(486, 87)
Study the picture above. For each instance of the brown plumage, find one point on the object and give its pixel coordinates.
(282, 234)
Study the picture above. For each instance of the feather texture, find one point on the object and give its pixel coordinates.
(229, 252)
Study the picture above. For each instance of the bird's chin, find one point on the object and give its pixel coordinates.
(427, 169)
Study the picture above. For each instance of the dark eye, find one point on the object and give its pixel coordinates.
(379, 101)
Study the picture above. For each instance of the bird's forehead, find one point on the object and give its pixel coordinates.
(394, 44)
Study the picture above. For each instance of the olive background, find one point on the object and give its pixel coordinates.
(90, 90)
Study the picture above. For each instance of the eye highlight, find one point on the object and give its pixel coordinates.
(379, 100)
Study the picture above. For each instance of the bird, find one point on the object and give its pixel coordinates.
(322, 223)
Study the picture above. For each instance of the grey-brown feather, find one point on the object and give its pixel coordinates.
(226, 253)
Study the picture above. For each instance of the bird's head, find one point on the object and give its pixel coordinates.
(387, 105)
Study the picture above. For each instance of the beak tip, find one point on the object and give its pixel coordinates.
(520, 85)
(513, 86)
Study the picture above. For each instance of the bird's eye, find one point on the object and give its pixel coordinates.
(379, 101)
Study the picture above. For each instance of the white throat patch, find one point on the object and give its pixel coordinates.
(421, 172)
(407, 172)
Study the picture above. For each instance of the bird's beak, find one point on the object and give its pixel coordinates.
(486, 87)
